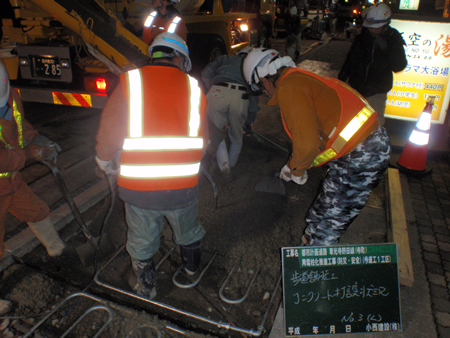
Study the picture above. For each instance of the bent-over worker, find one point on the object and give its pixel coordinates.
(329, 123)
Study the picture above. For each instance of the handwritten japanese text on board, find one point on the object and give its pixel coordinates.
(341, 289)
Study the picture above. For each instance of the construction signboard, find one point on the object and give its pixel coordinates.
(341, 289)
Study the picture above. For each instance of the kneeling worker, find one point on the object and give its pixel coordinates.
(329, 123)
(19, 142)
(155, 117)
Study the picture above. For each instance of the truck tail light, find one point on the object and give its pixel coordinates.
(96, 84)
(100, 84)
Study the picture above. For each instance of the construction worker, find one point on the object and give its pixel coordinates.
(293, 45)
(329, 123)
(228, 104)
(334, 11)
(165, 18)
(377, 52)
(19, 142)
(161, 136)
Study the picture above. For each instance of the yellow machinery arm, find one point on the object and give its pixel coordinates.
(100, 30)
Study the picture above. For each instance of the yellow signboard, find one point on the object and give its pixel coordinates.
(427, 73)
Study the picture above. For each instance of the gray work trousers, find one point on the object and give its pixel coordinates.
(145, 226)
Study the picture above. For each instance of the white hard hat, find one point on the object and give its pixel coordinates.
(262, 62)
(173, 41)
(378, 15)
(175, 1)
(293, 10)
(4, 85)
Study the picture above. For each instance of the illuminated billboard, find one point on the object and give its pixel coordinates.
(427, 73)
(409, 4)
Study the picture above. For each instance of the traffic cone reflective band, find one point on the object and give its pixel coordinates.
(414, 155)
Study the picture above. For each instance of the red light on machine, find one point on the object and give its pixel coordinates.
(100, 84)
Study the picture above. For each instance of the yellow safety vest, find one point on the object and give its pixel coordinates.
(18, 119)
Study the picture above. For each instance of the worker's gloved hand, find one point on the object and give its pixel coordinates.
(285, 173)
(107, 166)
(300, 179)
(40, 140)
(37, 153)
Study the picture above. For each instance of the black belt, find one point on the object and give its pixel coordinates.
(230, 85)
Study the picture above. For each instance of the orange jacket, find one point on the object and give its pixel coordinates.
(156, 24)
(161, 134)
(315, 111)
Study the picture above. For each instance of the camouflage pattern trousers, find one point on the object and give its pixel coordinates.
(346, 189)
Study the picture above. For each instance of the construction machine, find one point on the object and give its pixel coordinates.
(71, 52)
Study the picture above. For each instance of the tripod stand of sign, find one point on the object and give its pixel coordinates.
(341, 289)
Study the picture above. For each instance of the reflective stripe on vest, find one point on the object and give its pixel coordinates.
(138, 142)
(18, 119)
(173, 24)
(150, 18)
(346, 134)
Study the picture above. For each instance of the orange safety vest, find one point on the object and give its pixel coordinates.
(356, 117)
(155, 25)
(163, 147)
(18, 118)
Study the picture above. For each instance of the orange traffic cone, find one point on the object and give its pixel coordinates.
(414, 156)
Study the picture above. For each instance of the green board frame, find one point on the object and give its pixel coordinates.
(341, 289)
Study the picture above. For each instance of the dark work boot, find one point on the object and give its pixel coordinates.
(146, 277)
(191, 255)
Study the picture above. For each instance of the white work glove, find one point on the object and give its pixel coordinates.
(300, 179)
(42, 141)
(107, 166)
(285, 173)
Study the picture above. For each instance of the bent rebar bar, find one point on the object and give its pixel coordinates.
(220, 325)
(237, 301)
(93, 308)
(194, 283)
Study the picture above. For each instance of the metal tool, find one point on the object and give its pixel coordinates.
(86, 252)
(271, 183)
(213, 185)
(260, 138)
